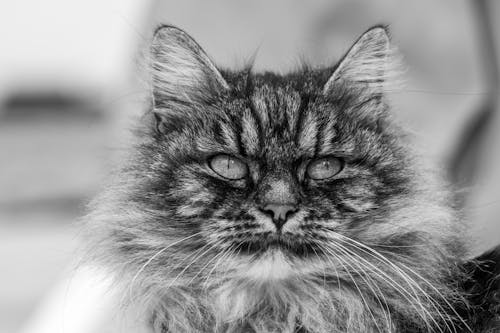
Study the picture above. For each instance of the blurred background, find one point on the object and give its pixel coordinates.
(71, 79)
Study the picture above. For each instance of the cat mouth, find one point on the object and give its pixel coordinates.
(287, 244)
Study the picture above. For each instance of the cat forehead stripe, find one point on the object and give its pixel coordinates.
(229, 136)
(260, 108)
(326, 137)
(308, 134)
(250, 135)
(277, 106)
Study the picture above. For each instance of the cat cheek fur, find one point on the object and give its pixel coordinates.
(372, 249)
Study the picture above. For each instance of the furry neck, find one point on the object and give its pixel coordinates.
(317, 304)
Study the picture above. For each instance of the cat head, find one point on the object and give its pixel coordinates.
(263, 163)
(261, 179)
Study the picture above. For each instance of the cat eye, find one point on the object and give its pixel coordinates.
(323, 168)
(228, 166)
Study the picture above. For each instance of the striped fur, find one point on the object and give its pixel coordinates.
(372, 249)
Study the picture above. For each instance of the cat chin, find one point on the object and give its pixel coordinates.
(273, 266)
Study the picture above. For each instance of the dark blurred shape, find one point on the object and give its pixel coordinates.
(483, 286)
(64, 205)
(465, 160)
(29, 104)
(52, 142)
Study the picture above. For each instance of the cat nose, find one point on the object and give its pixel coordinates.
(279, 213)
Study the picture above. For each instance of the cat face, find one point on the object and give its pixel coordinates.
(269, 166)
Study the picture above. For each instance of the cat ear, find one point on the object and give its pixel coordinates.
(181, 70)
(370, 63)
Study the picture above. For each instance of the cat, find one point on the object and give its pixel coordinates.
(259, 202)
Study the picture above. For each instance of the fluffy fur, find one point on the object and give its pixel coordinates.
(375, 248)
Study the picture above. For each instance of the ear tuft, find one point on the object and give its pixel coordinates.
(370, 63)
(181, 70)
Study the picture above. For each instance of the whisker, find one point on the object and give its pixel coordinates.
(218, 255)
(365, 276)
(191, 255)
(406, 277)
(198, 257)
(362, 273)
(381, 257)
(399, 288)
(355, 284)
(411, 283)
(224, 255)
(439, 293)
(324, 272)
(153, 257)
